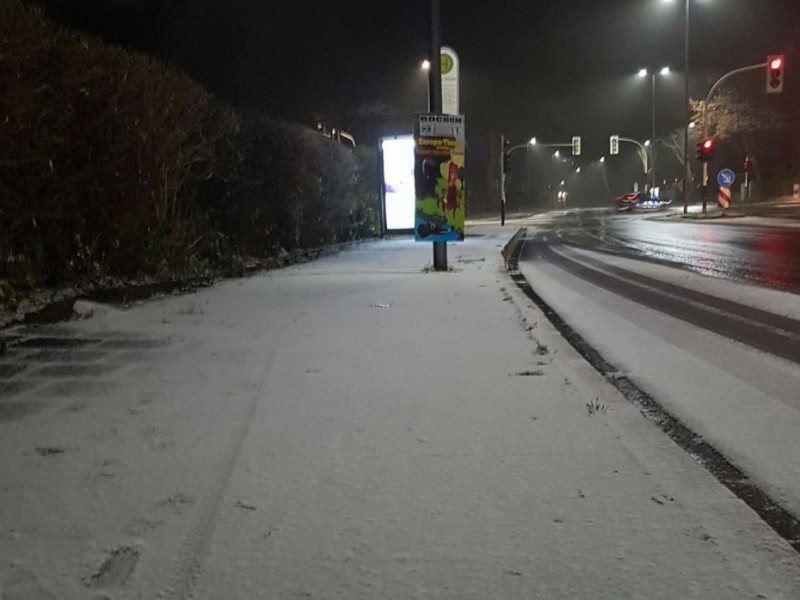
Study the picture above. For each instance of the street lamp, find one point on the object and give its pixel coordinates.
(507, 154)
(686, 175)
(644, 73)
(426, 66)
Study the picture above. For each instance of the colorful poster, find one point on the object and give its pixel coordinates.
(439, 178)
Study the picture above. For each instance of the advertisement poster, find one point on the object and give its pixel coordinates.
(439, 178)
(399, 195)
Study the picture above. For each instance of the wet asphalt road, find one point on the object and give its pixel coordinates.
(768, 256)
(760, 255)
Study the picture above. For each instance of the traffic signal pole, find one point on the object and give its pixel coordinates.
(718, 83)
(435, 98)
(704, 112)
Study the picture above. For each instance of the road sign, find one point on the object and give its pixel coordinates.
(725, 178)
(450, 81)
(724, 197)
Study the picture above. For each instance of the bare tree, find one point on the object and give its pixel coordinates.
(674, 143)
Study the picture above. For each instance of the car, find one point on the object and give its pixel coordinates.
(635, 201)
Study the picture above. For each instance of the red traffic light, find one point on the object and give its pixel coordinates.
(705, 149)
(776, 66)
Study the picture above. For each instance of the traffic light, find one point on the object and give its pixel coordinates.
(614, 145)
(506, 162)
(705, 150)
(576, 145)
(747, 163)
(776, 65)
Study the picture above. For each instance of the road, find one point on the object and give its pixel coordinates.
(760, 254)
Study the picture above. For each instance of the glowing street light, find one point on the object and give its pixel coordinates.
(426, 64)
(644, 73)
(532, 141)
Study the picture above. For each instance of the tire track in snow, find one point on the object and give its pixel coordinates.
(190, 555)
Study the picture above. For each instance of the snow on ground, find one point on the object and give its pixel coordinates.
(741, 400)
(358, 427)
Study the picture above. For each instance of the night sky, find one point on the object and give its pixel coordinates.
(546, 68)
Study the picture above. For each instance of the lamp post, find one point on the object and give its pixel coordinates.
(645, 73)
(426, 66)
(686, 171)
(506, 158)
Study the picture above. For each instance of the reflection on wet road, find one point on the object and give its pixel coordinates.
(763, 255)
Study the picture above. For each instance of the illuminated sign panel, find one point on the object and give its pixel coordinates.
(399, 196)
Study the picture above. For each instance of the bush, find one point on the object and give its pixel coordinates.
(291, 188)
(114, 164)
(105, 150)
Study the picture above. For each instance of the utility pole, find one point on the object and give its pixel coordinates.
(687, 174)
(502, 179)
(653, 183)
(435, 98)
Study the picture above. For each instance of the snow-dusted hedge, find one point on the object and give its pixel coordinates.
(114, 164)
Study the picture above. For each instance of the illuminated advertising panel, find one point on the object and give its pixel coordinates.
(399, 196)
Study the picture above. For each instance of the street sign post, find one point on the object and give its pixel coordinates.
(450, 81)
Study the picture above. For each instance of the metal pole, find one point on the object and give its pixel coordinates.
(746, 195)
(502, 180)
(653, 138)
(687, 184)
(704, 184)
(717, 83)
(435, 87)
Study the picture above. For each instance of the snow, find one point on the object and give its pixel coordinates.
(359, 427)
(743, 401)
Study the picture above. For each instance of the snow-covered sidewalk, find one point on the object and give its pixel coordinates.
(359, 427)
